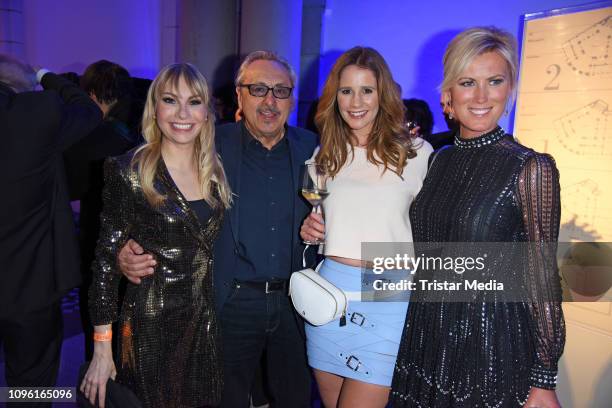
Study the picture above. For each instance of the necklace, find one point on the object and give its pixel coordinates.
(483, 140)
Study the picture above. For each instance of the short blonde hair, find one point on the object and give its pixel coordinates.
(476, 41)
(214, 185)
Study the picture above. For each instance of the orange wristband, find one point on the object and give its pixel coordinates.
(106, 336)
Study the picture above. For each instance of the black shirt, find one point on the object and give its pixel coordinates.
(265, 210)
(202, 210)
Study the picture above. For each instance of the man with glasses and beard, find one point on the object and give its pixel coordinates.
(259, 245)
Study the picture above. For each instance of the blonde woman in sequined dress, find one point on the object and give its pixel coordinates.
(169, 195)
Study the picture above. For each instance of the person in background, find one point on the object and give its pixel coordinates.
(259, 245)
(140, 88)
(447, 137)
(171, 195)
(109, 85)
(419, 119)
(375, 168)
(486, 188)
(38, 247)
(225, 104)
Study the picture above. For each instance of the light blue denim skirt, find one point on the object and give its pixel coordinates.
(365, 349)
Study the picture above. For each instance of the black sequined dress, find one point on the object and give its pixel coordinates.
(168, 350)
(485, 354)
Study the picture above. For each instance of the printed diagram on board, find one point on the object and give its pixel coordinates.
(565, 109)
(586, 131)
(589, 53)
(579, 207)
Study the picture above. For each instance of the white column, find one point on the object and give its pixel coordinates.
(206, 35)
(274, 25)
(11, 28)
(312, 20)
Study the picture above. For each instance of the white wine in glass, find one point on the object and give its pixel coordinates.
(314, 189)
(315, 197)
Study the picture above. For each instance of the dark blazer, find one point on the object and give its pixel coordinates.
(38, 251)
(227, 248)
(84, 169)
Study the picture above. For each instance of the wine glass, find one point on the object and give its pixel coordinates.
(314, 189)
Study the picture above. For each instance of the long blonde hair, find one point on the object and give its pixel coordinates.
(390, 143)
(211, 175)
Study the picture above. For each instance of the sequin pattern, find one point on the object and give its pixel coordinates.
(485, 354)
(168, 349)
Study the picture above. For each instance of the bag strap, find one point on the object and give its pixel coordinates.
(304, 260)
(304, 256)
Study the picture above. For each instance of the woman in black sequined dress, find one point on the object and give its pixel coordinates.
(170, 196)
(485, 188)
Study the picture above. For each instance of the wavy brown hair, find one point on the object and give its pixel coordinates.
(389, 144)
(210, 171)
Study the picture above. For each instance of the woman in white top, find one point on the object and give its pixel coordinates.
(376, 169)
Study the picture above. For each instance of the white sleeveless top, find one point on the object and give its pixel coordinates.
(367, 205)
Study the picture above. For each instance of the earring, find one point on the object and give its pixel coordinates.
(447, 109)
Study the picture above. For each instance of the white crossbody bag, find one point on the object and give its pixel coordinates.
(315, 298)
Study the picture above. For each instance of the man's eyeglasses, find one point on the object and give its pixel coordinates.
(260, 91)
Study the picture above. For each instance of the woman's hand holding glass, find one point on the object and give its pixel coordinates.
(314, 190)
(313, 228)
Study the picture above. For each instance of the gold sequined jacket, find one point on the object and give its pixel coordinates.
(168, 349)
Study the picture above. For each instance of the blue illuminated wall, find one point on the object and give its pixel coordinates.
(412, 35)
(68, 35)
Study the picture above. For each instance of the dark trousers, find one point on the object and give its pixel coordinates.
(32, 345)
(255, 323)
(85, 320)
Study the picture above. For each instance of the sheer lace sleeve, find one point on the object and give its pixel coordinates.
(114, 229)
(539, 199)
